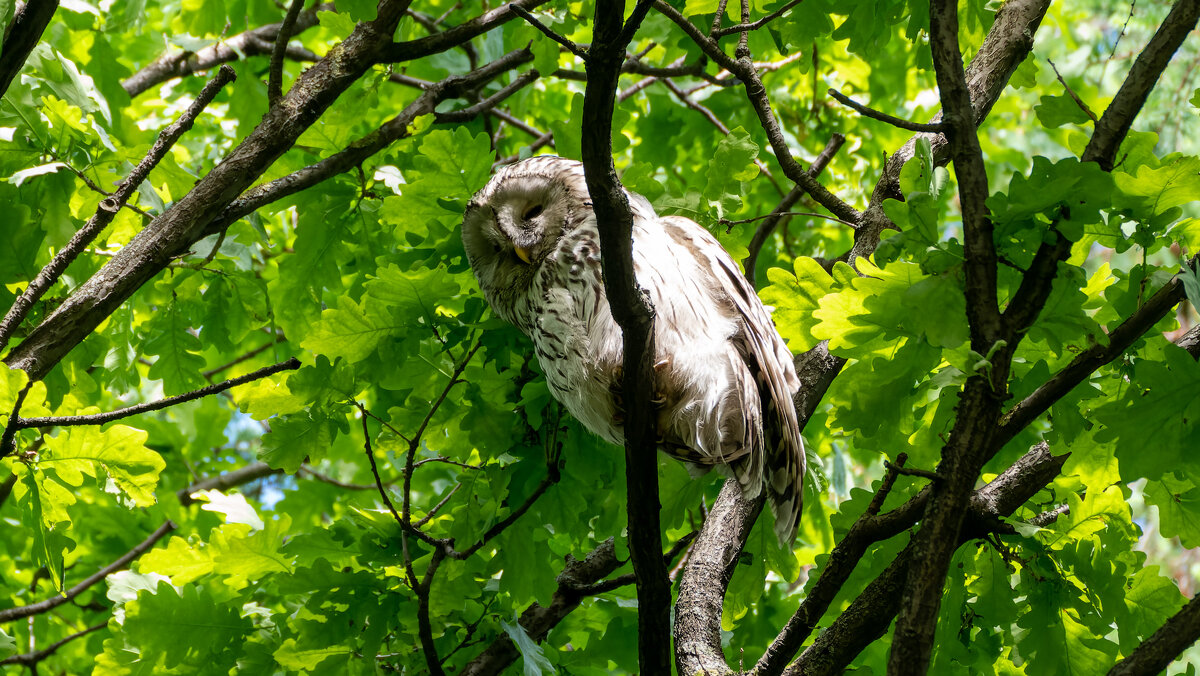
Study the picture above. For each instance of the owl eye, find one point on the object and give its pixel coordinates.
(533, 212)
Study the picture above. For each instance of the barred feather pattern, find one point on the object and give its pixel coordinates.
(726, 377)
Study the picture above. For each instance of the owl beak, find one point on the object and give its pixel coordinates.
(523, 254)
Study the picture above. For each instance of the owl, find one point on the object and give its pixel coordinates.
(725, 378)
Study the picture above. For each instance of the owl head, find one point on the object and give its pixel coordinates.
(515, 221)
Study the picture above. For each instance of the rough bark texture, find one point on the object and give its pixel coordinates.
(537, 621)
(23, 33)
(1005, 47)
(632, 311)
(183, 224)
(1165, 645)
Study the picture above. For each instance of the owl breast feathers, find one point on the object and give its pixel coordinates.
(725, 377)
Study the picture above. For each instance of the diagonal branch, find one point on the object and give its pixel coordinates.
(1118, 117)
(142, 547)
(181, 225)
(30, 659)
(22, 36)
(108, 207)
(743, 68)
(1155, 653)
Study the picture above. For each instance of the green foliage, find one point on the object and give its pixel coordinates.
(363, 278)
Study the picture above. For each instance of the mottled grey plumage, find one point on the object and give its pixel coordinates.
(726, 378)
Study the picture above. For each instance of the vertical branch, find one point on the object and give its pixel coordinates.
(971, 439)
(275, 71)
(633, 313)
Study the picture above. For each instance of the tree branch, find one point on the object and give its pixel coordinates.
(1086, 362)
(108, 208)
(101, 418)
(747, 27)
(30, 659)
(870, 615)
(1165, 645)
(743, 68)
(900, 123)
(357, 152)
(1118, 117)
(223, 482)
(453, 37)
(184, 222)
(23, 33)
(562, 40)
(632, 311)
(537, 621)
(257, 42)
(19, 612)
(275, 70)
(783, 209)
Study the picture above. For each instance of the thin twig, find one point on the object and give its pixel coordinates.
(549, 32)
(927, 128)
(379, 481)
(730, 223)
(9, 614)
(245, 357)
(1071, 92)
(486, 105)
(437, 508)
(747, 27)
(31, 658)
(913, 471)
(101, 418)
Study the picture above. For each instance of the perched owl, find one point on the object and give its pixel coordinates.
(725, 378)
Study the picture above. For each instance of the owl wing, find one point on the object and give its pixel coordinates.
(776, 458)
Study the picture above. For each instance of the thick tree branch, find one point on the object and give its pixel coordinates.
(357, 152)
(970, 442)
(870, 615)
(1086, 362)
(633, 313)
(1005, 47)
(183, 223)
(1118, 117)
(108, 207)
(1165, 645)
(22, 36)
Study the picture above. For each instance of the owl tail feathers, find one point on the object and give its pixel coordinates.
(785, 493)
